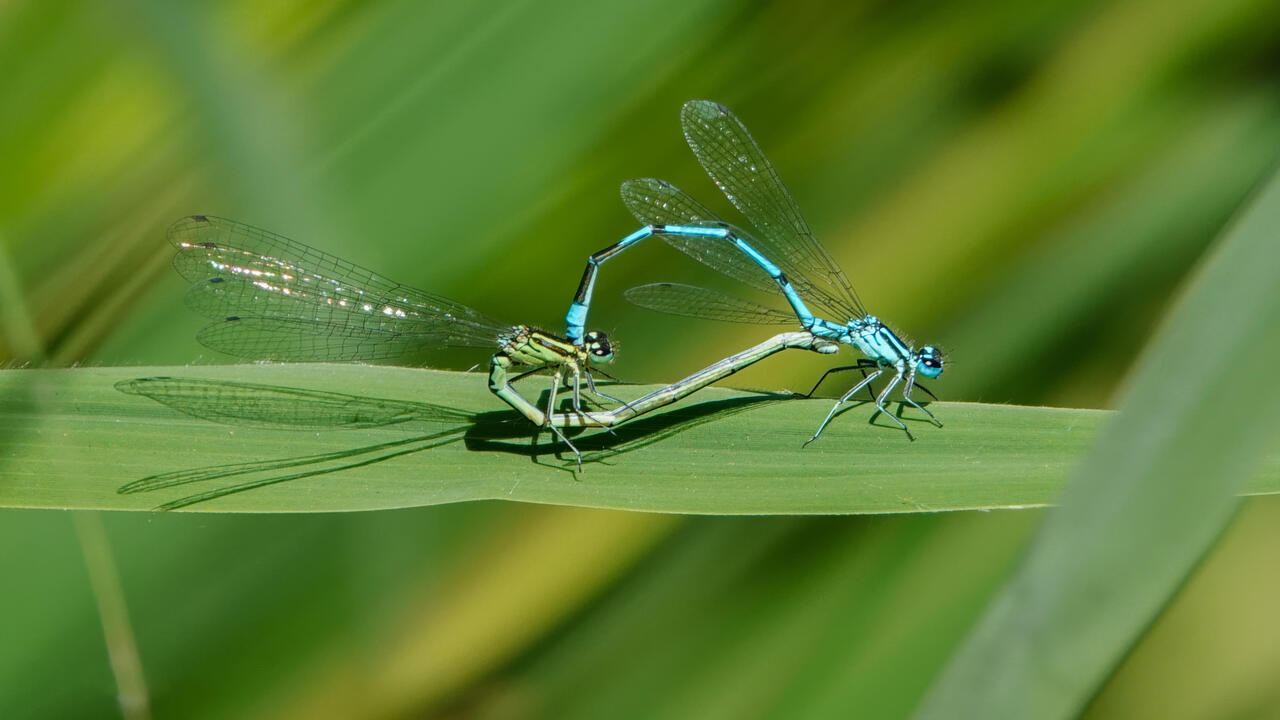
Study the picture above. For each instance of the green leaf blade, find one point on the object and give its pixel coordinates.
(71, 440)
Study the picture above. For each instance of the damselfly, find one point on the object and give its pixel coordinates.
(783, 246)
(278, 299)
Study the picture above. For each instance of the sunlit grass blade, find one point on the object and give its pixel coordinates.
(71, 439)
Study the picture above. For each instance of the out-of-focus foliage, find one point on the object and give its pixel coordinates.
(1151, 499)
(1023, 183)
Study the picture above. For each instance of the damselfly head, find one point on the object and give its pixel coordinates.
(929, 361)
(599, 349)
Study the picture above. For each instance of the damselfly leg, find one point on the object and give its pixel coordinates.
(862, 366)
(556, 376)
(906, 396)
(880, 408)
(844, 398)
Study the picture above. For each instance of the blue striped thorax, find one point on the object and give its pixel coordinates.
(879, 343)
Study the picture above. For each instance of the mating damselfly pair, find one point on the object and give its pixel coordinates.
(276, 299)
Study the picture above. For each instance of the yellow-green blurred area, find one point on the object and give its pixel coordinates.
(1024, 184)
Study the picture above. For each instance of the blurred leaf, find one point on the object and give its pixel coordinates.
(1235, 595)
(523, 583)
(1141, 237)
(122, 648)
(50, 625)
(771, 617)
(17, 335)
(1051, 143)
(1148, 502)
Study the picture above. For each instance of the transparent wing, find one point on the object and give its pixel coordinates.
(733, 159)
(657, 202)
(317, 301)
(690, 301)
(297, 340)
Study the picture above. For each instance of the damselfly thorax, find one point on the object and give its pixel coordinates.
(524, 345)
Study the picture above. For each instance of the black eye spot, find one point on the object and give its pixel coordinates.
(599, 345)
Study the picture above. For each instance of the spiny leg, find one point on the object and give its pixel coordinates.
(525, 374)
(865, 382)
(575, 383)
(927, 391)
(591, 387)
(577, 374)
(863, 365)
(880, 408)
(906, 396)
(551, 397)
(602, 373)
(551, 406)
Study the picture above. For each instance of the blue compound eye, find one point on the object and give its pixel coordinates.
(930, 362)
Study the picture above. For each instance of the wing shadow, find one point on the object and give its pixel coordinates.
(281, 407)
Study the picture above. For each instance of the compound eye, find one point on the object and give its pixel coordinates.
(931, 360)
(597, 343)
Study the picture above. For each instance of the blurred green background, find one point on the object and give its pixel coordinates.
(1025, 184)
